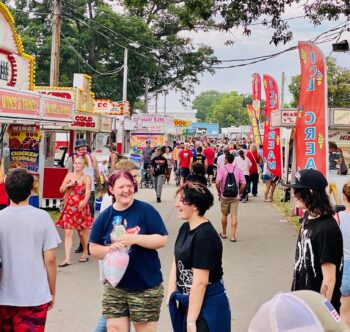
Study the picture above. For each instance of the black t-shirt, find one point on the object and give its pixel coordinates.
(319, 241)
(197, 178)
(200, 158)
(200, 248)
(159, 165)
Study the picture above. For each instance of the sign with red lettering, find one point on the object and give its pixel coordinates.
(54, 109)
(84, 122)
(256, 94)
(19, 104)
(254, 123)
(272, 137)
(311, 126)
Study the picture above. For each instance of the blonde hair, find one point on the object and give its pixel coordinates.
(125, 165)
(253, 148)
(83, 159)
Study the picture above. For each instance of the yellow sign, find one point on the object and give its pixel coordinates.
(181, 123)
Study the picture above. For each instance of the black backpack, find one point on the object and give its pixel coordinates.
(230, 188)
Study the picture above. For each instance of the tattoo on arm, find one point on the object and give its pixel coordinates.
(324, 290)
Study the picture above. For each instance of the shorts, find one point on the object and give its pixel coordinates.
(229, 207)
(345, 284)
(19, 319)
(184, 172)
(271, 178)
(140, 306)
(210, 170)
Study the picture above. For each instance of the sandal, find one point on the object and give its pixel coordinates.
(83, 260)
(223, 236)
(63, 264)
(233, 240)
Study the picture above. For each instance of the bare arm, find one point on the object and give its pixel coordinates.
(113, 163)
(153, 241)
(87, 181)
(199, 286)
(50, 264)
(328, 282)
(96, 173)
(172, 280)
(98, 251)
(64, 186)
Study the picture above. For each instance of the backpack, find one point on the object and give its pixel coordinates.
(230, 187)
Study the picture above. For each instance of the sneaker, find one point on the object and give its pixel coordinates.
(244, 200)
(158, 200)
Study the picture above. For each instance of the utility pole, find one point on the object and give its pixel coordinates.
(282, 89)
(146, 94)
(125, 75)
(55, 45)
(156, 106)
(165, 102)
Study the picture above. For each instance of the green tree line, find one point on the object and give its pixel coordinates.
(226, 108)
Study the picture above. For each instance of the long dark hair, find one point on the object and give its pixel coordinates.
(316, 202)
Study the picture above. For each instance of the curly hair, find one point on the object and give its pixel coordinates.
(316, 202)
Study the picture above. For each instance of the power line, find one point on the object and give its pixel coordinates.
(112, 72)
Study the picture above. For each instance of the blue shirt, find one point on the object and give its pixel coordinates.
(143, 271)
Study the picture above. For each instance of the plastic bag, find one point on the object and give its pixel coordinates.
(114, 265)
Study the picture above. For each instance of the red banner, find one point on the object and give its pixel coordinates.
(256, 93)
(255, 125)
(272, 138)
(311, 125)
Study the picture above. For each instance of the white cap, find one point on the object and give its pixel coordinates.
(300, 311)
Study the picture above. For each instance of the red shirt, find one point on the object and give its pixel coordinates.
(209, 153)
(185, 158)
(254, 158)
(4, 200)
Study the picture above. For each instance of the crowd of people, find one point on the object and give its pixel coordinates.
(196, 295)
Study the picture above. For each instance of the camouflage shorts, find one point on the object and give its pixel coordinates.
(141, 307)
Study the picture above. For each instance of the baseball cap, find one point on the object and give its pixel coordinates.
(297, 311)
(309, 179)
(148, 141)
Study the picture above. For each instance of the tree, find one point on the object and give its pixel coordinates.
(93, 42)
(338, 80)
(204, 102)
(229, 110)
(238, 13)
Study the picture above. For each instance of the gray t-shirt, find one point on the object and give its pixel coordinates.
(25, 233)
(147, 155)
(344, 224)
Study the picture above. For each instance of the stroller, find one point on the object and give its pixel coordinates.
(146, 178)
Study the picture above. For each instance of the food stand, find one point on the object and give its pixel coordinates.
(22, 110)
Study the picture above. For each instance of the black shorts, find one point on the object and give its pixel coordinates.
(184, 172)
(210, 170)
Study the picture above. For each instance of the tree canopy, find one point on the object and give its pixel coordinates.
(94, 37)
(338, 80)
(227, 109)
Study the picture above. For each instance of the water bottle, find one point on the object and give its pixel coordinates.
(118, 228)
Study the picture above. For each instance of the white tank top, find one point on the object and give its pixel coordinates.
(344, 224)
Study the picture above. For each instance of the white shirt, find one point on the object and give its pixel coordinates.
(221, 160)
(243, 164)
(25, 233)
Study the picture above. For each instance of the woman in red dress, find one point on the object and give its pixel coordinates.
(75, 214)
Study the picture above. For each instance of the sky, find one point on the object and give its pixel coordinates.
(257, 44)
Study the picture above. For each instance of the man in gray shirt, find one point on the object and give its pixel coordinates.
(147, 154)
(28, 238)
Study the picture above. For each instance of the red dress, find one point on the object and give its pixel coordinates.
(72, 217)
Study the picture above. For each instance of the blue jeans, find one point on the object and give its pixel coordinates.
(101, 325)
